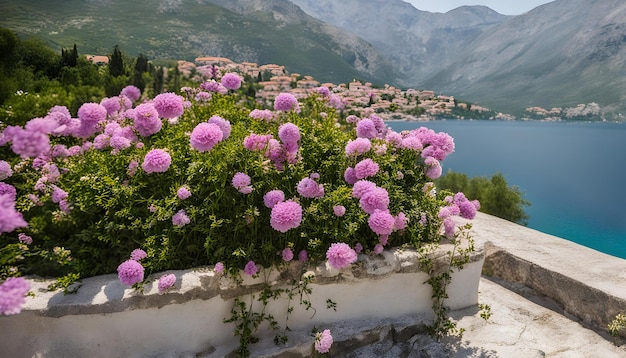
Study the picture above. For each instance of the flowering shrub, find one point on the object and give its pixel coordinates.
(201, 180)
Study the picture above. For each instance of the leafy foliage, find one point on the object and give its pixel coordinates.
(495, 195)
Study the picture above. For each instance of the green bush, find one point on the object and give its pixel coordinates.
(495, 195)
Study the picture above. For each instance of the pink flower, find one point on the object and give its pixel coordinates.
(378, 249)
(119, 142)
(5, 170)
(58, 194)
(166, 282)
(131, 92)
(241, 182)
(448, 225)
(205, 136)
(361, 187)
(412, 143)
(302, 256)
(29, 143)
(90, 114)
(377, 198)
(309, 188)
(180, 219)
(433, 168)
(286, 102)
(169, 105)
(8, 189)
(219, 267)
(339, 210)
(13, 295)
(365, 168)
(366, 129)
(231, 81)
(340, 255)
(250, 268)
(400, 221)
(323, 341)
(138, 255)
(130, 272)
(23, 238)
(10, 219)
(146, 120)
(183, 193)
(287, 254)
(156, 161)
(256, 142)
(381, 222)
(273, 197)
(112, 105)
(358, 248)
(264, 114)
(132, 167)
(358, 146)
(350, 176)
(286, 215)
(289, 134)
(223, 124)
(323, 91)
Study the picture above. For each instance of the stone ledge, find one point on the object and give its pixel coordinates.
(589, 285)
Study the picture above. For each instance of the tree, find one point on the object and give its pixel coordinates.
(141, 67)
(116, 65)
(69, 58)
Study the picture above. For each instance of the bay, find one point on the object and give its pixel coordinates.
(573, 173)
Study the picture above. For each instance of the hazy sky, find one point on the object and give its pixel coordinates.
(506, 7)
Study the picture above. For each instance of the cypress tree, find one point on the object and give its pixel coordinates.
(116, 65)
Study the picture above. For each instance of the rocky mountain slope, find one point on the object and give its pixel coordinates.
(559, 54)
(418, 43)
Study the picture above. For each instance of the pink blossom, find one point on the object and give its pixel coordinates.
(358, 248)
(381, 222)
(156, 161)
(264, 114)
(219, 267)
(412, 143)
(365, 168)
(287, 254)
(13, 295)
(180, 219)
(166, 282)
(366, 129)
(401, 221)
(29, 143)
(10, 219)
(138, 255)
(250, 268)
(5, 170)
(378, 249)
(8, 189)
(256, 142)
(340, 255)
(130, 272)
(131, 92)
(169, 105)
(289, 134)
(323, 341)
(273, 197)
(112, 105)
(23, 238)
(286, 102)
(309, 188)
(433, 168)
(205, 136)
(146, 120)
(358, 146)
(323, 91)
(223, 124)
(231, 81)
(183, 193)
(119, 142)
(286, 215)
(377, 198)
(350, 176)
(241, 182)
(448, 225)
(58, 194)
(302, 256)
(339, 210)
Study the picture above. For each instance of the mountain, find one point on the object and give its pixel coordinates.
(559, 54)
(418, 43)
(270, 31)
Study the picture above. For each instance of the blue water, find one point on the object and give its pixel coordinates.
(572, 173)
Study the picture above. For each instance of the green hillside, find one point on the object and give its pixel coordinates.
(185, 30)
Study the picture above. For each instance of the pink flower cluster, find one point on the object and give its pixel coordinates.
(166, 282)
(323, 341)
(286, 102)
(241, 182)
(286, 215)
(205, 136)
(309, 188)
(13, 295)
(180, 219)
(264, 114)
(340, 255)
(146, 119)
(130, 272)
(169, 105)
(156, 161)
(10, 218)
(231, 81)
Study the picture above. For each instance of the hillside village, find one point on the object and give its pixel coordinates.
(356, 97)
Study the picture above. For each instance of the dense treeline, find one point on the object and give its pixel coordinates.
(34, 77)
(495, 195)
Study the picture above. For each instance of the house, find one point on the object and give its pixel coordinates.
(97, 59)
